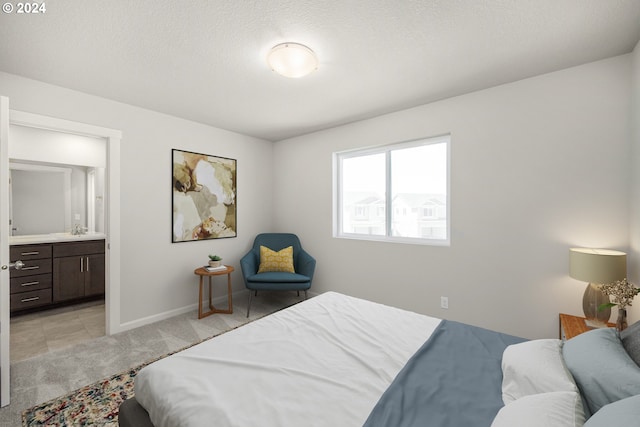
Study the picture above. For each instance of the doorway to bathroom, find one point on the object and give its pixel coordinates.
(56, 194)
(111, 208)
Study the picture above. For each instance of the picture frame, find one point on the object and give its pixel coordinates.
(203, 196)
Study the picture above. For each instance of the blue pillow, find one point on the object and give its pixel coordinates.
(630, 338)
(625, 412)
(603, 370)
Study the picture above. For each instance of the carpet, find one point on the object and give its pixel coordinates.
(96, 404)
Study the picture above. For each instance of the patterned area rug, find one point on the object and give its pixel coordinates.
(97, 404)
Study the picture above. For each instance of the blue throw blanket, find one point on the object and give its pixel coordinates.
(453, 380)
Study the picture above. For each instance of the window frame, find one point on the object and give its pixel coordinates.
(340, 156)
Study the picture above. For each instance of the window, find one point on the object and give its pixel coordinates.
(360, 212)
(428, 212)
(405, 184)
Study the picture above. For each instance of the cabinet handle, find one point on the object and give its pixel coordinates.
(35, 267)
(29, 283)
(87, 264)
(81, 265)
(30, 299)
(30, 253)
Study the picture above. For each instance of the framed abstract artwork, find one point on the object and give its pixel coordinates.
(203, 196)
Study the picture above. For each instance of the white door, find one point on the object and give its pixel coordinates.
(4, 251)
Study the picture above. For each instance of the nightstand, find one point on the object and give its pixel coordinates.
(202, 272)
(571, 326)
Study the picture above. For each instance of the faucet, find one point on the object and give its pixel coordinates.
(78, 230)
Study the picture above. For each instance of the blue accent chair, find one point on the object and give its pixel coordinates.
(303, 264)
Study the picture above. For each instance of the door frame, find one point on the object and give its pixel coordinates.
(111, 205)
(5, 305)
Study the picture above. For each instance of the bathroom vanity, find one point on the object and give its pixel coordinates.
(58, 268)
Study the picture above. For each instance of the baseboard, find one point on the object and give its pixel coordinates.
(217, 301)
(221, 300)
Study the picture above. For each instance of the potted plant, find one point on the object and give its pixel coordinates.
(214, 261)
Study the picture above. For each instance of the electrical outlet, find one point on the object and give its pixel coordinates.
(444, 302)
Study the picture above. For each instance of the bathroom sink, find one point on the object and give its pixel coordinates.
(72, 236)
(53, 237)
(30, 237)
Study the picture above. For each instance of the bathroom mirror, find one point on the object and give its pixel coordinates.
(52, 198)
(57, 181)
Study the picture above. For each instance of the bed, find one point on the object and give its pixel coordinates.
(335, 360)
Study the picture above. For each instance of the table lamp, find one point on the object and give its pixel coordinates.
(596, 266)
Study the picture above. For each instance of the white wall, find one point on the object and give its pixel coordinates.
(156, 275)
(634, 167)
(56, 147)
(538, 166)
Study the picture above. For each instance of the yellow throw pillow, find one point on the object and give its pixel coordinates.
(276, 261)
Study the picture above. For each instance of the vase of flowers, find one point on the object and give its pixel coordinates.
(622, 293)
(621, 323)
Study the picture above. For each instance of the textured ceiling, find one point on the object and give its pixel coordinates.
(205, 60)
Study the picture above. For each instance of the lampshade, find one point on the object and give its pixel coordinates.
(597, 265)
(292, 60)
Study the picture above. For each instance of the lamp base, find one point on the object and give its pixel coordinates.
(591, 300)
(595, 324)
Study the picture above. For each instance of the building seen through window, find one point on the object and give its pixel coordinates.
(396, 192)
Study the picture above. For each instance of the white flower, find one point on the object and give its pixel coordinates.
(621, 291)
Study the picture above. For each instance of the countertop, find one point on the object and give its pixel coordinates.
(53, 238)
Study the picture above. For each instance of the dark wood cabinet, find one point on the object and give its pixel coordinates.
(68, 278)
(96, 275)
(26, 253)
(56, 273)
(30, 286)
(78, 270)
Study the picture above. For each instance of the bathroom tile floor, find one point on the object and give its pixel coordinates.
(38, 333)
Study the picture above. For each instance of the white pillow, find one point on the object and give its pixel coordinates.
(557, 409)
(534, 367)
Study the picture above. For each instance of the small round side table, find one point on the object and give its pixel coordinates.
(202, 272)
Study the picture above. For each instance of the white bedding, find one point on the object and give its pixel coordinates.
(323, 362)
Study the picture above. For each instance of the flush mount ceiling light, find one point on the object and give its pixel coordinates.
(292, 60)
